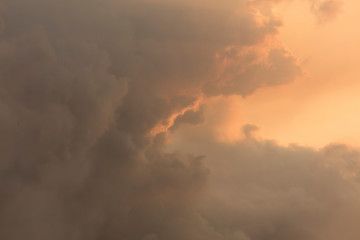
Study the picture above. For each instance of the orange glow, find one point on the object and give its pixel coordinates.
(321, 107)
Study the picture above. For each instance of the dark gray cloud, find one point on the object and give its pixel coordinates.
(83, 84)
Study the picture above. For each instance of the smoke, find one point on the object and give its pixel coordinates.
(84, 86)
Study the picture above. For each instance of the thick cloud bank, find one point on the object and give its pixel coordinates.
(260, 190)
(88, 90)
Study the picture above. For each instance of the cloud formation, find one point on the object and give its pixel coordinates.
(83, 84)
(326, 9)
(258, 189)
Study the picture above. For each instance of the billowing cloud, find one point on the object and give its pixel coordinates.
(261, 190)
(83, 85)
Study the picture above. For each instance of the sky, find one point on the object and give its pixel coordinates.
(324, 101)
(179, 120)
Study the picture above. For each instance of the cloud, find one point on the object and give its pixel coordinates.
(266, 191)
(82, 86)
(326, 9)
